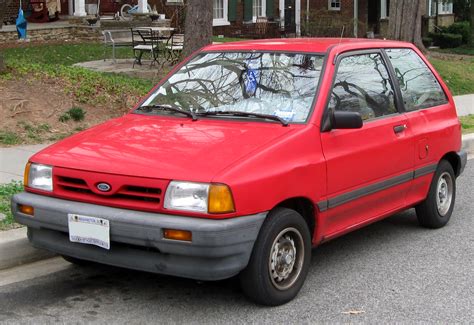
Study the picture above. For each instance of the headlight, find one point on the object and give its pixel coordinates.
(39, 177)
(199, 197)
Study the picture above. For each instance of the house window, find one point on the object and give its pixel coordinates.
(334, 5)
(446, 8)
(219, 13)
(258, 9)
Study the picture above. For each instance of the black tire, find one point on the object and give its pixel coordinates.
(77, 261)
(294, 237)
(435, 211)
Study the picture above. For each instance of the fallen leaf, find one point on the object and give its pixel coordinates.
(353, 312)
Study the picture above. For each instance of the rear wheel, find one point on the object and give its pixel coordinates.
(436, 210)
(280, 259)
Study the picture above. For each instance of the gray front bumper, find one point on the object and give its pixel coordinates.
(219, 249)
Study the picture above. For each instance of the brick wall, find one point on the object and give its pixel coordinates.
(327, 22)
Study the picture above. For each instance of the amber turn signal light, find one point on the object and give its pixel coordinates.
(175, 234)
(26, 209)
(27, 174)
(220, 199)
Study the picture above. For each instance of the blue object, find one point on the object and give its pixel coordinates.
(21, 24)
(251, 86)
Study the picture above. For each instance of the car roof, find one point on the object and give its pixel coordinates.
(312, 45)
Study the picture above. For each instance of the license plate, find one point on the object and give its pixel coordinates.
(89, 230)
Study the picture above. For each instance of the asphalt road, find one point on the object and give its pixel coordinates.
(392, 271)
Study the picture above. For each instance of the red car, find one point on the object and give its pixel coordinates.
(247, 156)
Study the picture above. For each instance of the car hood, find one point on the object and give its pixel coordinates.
(162, 147)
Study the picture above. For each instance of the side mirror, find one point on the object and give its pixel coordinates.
(346, 120)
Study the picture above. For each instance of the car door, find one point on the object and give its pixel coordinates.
(369, 170)
(433, 120)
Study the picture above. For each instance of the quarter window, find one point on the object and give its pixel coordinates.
(419, 87)
(363, 85)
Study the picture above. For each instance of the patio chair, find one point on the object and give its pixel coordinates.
(144, 40)
(174, 48)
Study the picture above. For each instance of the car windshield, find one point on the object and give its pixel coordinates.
(242, 85)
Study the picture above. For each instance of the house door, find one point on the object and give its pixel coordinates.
(290, 23)
(64, 7)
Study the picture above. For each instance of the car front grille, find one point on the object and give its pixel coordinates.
(125, 191)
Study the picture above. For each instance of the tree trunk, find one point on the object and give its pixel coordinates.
(405, 21)
(197, 25)
(2, 64)
(3, 10)
(472, 23)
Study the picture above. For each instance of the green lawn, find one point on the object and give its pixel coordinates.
(467, 123)
(6, 192)
(64, 54)
(458, 74)
(55, 62)
(462, 50)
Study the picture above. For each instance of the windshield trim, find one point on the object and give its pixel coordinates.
(324, 55)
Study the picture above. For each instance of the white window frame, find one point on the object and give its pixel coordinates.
(331, 8)
(174, 2)
(264, 10)
(222, 21)
(442, 6)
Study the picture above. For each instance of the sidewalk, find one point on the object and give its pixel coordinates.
(464, 104)
(13, 161)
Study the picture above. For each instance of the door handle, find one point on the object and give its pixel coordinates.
(399, 128)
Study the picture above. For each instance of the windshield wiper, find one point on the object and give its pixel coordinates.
(149, 108)
(246, 114)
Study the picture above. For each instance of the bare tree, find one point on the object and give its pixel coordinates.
(472, 22)
(197, 25)
(405, 21)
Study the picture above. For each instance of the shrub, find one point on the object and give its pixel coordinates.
(447, 40)
(462, 28)
(427, 41)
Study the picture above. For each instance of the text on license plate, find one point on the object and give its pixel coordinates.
(89, 230)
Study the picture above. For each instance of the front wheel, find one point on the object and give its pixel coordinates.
(435, 211)
(280, 259)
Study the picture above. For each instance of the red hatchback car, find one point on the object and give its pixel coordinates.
(245, 157)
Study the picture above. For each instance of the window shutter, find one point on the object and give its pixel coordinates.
(248, 10)
(232, 13)
(270, 12)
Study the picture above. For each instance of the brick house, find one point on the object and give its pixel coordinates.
(334, 18)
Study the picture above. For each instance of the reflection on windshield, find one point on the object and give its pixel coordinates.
(277, 84)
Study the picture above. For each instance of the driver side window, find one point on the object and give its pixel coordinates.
(362, 85)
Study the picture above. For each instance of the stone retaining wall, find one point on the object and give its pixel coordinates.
(72, 33)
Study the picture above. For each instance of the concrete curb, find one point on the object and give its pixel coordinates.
(468, 143)
(15, 249)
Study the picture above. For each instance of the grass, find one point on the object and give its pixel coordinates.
(6, 192)
(462, 50)
(458, 74)
(64, 54)
(467, 123)
(90, 87)
(227, 39)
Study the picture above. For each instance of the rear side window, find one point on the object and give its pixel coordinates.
(419, 87)
(363, 85)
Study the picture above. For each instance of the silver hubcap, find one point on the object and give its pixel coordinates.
(444, 193)
(286, 258)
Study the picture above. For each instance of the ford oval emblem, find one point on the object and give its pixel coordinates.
(103, 187)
